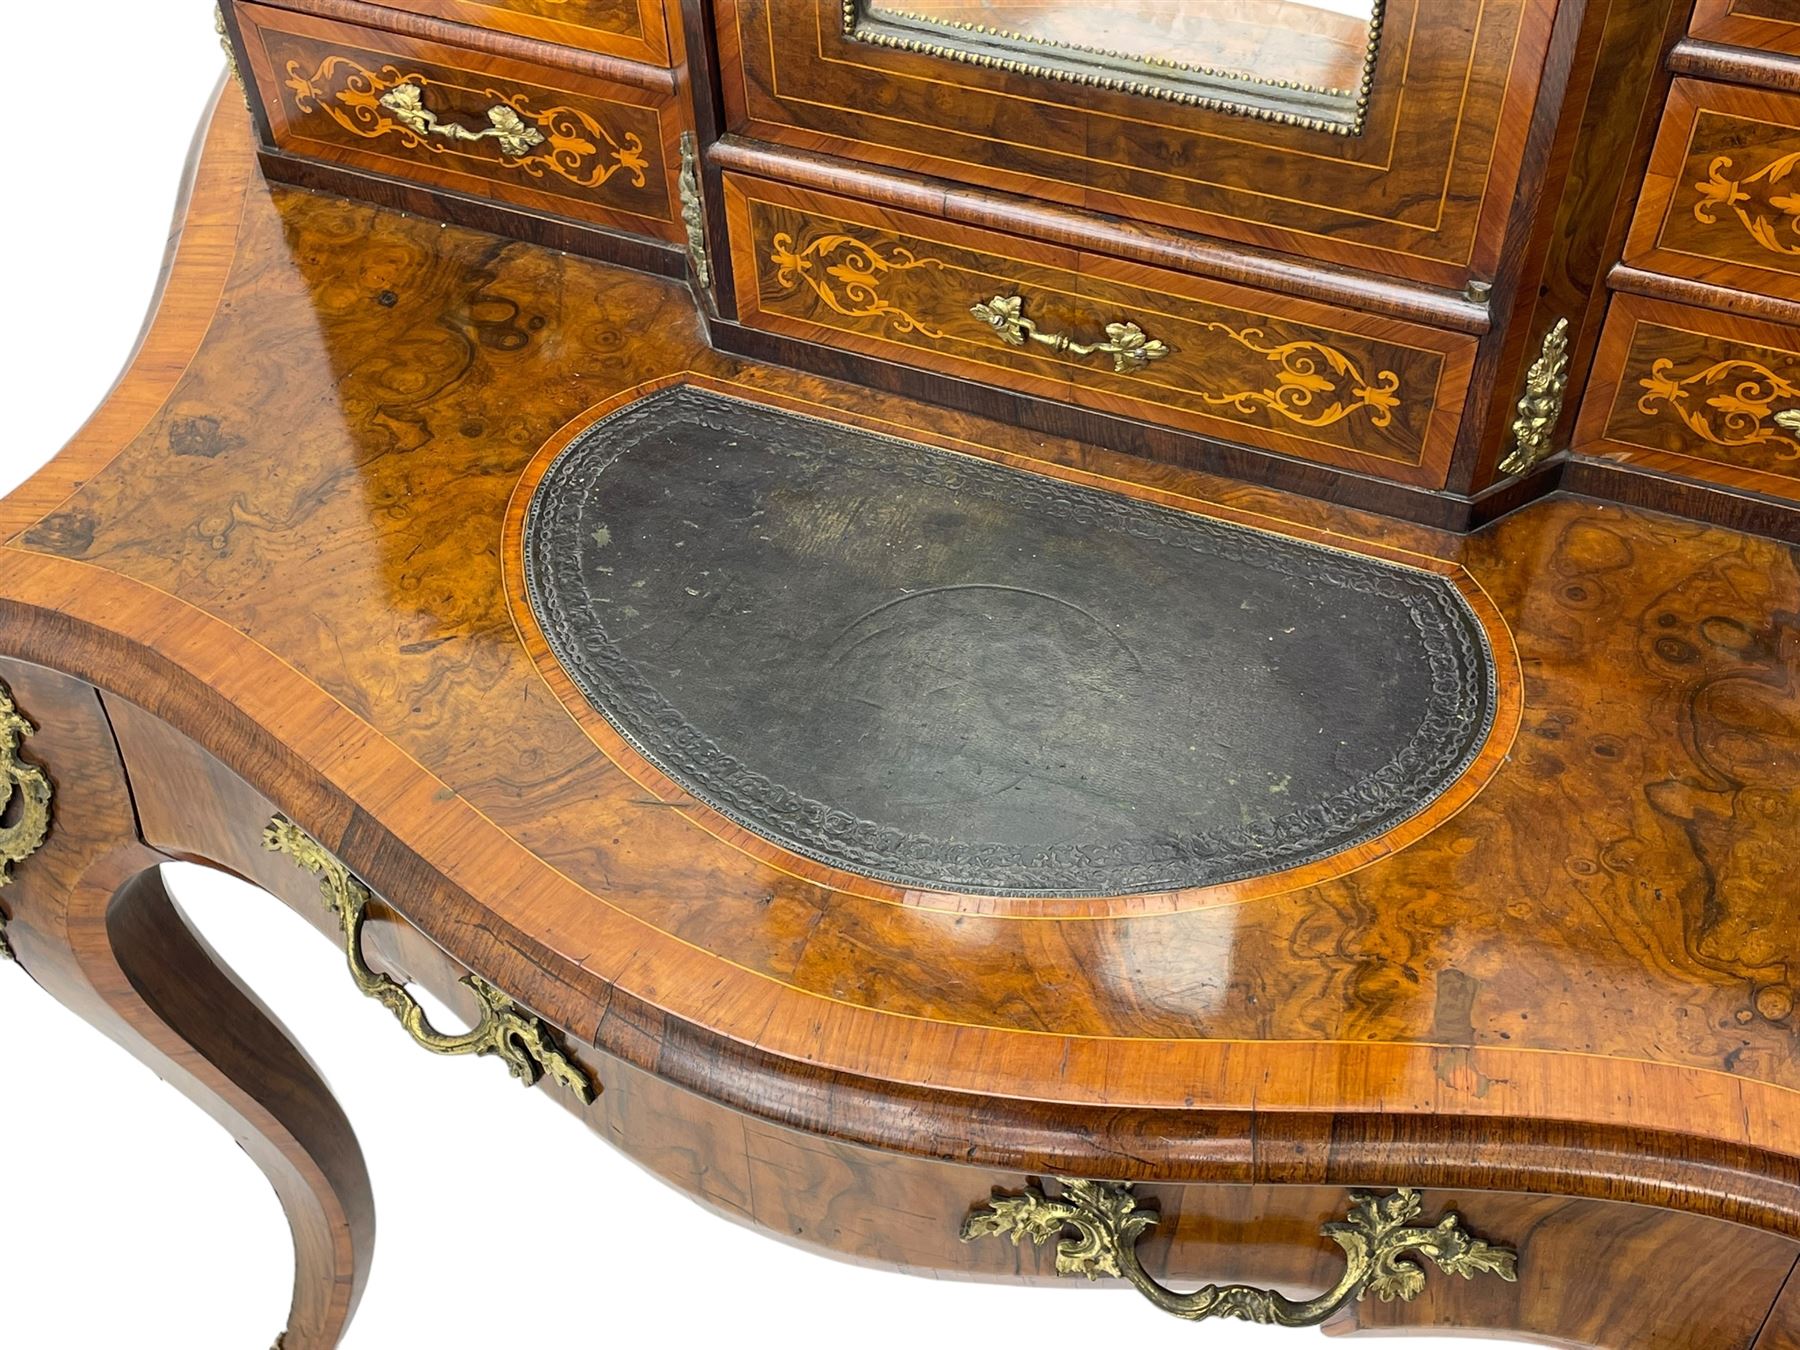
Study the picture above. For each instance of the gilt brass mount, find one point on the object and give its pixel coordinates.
(1098, 1224)
(514, 135)
(1541, 404)
(231, 61)
(1130, 348)
(25, 794)
(527, 1044)
(693, 211)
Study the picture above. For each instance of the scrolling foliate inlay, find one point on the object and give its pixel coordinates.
(1315, 385)
(375, 104)
(1768, 215)
(1312, 384)
(527, 1044)
(852, 284)
(1729, 403)
(25, 795)
(1097, 1225)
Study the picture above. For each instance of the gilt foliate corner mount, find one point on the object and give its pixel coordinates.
(25, 794)
(1097, 1225)
(231, 61)
(527, 1044)
(693, 211)
(1540, 406)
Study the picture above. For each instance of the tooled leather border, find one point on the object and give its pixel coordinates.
(1456, 722)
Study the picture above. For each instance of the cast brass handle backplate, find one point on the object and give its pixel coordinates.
(1128, 345)
(526, 1043)
(29, 823)
(1099, 1224)
(407, 103)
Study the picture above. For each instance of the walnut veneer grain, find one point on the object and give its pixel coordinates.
(287, 547)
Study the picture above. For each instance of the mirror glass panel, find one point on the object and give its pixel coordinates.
(1305, 61)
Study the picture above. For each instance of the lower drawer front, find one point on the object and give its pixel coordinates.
(1373, 394)
(1696, 392)
(547, 140)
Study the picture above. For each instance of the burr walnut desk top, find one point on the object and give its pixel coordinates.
(281, 591)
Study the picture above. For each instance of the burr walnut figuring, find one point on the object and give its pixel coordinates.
(1024, 652)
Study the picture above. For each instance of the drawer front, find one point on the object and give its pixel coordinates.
(581, 148)
(1767, 25)
(1418, 188)
(633, 29)
(1721, 201)
(1698, 393)
(1304, 379)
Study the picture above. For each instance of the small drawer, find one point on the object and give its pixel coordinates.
(1721, 201)
(1698, 393)
(547, 140)
(1305, 379)
(635, 30)
(1766, 25)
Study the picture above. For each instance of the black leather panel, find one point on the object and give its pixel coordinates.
(937, 671)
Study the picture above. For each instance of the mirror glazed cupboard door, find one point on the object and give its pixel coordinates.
(1305, 61)
(1385, 135)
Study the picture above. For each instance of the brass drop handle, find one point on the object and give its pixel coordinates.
(26, 781)
(407, 103)
(526, 1043)
(1099, 1224)
(1128, 345)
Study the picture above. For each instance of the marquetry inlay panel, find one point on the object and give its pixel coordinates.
(1721, 202)
(1288, 375)
(1697, 392)
(554, 141)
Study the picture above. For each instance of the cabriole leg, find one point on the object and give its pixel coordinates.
(88, 918)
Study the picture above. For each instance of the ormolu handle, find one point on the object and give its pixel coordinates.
(407, 103)
(527, 1044)
(1126, 343)
(1100, 1224)
(26, 781)
(1789, 420)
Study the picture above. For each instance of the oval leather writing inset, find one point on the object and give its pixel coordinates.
(939, 672)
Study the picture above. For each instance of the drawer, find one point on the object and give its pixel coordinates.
(633, 29)
(1302, 378)
(547, 140)
(1405, 173)
(1767, 25)
(1696, 392)
(1721, 200)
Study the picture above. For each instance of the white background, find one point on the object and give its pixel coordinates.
(127, 1218)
